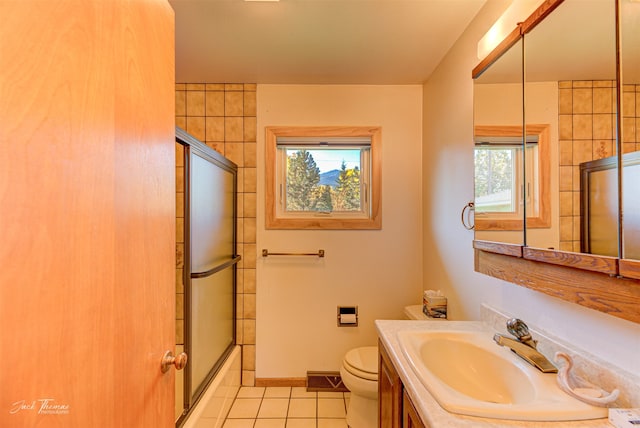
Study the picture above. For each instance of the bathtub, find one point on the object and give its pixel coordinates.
(217, 399)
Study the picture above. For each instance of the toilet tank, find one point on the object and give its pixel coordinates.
(414, 312)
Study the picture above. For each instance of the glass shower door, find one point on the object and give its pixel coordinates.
(211, 323)
(210, 259)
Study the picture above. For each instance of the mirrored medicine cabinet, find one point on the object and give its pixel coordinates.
(557, 155)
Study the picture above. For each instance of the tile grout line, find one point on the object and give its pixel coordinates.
(289, 397)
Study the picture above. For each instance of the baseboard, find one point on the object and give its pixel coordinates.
(315, 381)
(281, 381)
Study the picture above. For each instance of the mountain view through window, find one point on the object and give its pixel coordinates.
(323, 180)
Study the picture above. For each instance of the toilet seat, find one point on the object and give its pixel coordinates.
(359, 373)
(362, 362)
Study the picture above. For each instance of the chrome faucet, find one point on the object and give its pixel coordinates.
(524, 346)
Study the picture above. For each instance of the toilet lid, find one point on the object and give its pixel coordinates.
(363, 362)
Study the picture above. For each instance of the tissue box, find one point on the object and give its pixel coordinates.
(624, 418)
(434, 306)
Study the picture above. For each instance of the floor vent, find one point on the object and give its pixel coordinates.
(325, 381)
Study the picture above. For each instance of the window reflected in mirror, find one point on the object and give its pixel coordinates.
(496, 184)
(498, 153)
(501, 186)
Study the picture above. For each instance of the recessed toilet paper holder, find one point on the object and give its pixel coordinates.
(347, 316)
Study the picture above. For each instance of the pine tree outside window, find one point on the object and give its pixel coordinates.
(323, 177)
(335, 188)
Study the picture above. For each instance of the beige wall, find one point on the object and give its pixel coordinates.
(223, 116)
(448, 186)
(541, 108)
(379, 271)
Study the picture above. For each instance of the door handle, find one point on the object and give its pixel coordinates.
(169, 360)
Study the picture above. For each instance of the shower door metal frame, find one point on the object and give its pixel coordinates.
(191, 144)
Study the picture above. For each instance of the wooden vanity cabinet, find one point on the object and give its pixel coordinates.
(389, 392)
(410, 418)
(395, 409)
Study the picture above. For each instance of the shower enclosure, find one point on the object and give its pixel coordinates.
(209, 268)
(599, 205)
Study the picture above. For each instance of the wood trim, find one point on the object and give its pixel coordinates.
(543, 219)
(591, 262)
(410, 416)
(512, 38)
(389, 391)
(539, 14)
(282, 381)
(496, 53)
(513, 250)
(630, 268)
(272, 221)
(619, 297)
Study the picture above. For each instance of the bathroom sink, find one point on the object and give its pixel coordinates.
(467, 373)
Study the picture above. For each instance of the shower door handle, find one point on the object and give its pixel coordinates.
(169, 360)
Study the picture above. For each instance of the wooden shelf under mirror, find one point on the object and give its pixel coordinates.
(513, 250)
(602, 264)
(613, 295)
(630, 269)
(594, 263)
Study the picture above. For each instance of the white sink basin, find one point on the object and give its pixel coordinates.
(469, 374)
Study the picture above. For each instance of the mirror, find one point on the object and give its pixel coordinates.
(582, 81)
(630, 133)
(498, 153)
(570, 86)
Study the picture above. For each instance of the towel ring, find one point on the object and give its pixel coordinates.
(468, 224)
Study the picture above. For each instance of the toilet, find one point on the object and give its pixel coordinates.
(359, 374)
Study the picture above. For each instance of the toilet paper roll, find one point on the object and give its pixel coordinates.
(348, 319)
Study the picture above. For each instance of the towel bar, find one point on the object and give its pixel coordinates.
(266, 253)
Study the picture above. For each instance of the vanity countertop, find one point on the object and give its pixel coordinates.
(428, 408)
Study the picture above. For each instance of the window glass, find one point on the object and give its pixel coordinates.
(329, 180)
(500, 186)
(323, 178)
(495, 179)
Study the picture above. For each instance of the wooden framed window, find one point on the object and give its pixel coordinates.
(323, 177)
(501, 187)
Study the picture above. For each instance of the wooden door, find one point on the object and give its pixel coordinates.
(87, 259)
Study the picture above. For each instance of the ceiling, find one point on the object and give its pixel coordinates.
(577, 41)
(316, 41)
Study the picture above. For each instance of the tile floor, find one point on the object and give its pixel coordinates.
(287, 407)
